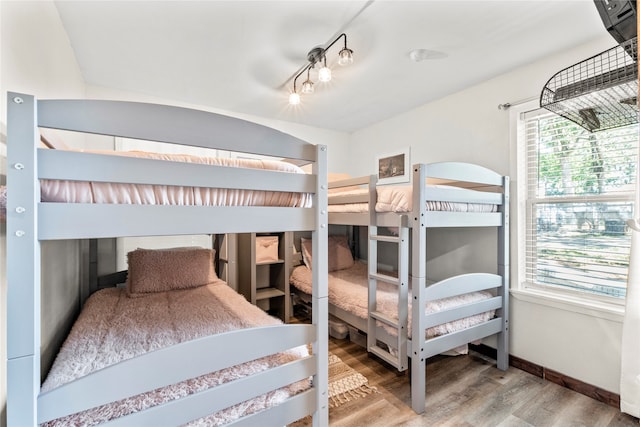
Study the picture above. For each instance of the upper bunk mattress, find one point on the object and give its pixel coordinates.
(113, 327)
(122, 193)
(101, 192)
(398, 198)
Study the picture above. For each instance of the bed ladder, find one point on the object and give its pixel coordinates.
(375, 343)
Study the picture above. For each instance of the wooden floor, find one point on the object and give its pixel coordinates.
(465, 391)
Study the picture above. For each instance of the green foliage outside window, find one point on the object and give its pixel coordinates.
(581, 189)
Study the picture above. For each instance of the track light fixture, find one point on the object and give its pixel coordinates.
(318, 55)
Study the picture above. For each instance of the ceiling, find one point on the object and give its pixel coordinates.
(241, 56)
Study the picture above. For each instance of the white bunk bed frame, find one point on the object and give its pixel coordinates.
(412, 267)
(30, 221)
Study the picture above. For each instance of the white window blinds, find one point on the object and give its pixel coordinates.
(580, 189)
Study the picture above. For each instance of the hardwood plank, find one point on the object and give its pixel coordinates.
(492, 409)
(513, 421)
(623, 420)
(584, 411)
(378, 413)
(464, 391)
(546, 406)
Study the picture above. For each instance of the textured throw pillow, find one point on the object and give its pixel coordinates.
(339, 254)
(161, 270)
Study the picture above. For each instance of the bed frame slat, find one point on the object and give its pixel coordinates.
(462, 311)
(210, 401)
(452, 340)
(438, 219)
(113, 383)
(467, 172)
(289, 411)
(462, 284)
(81, 221)
(176, 125)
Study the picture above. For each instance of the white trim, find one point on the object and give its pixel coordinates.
(589, 307)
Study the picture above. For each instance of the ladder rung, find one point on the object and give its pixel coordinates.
(385, 319)
(385, 355)
(381, 238)
(385, 278)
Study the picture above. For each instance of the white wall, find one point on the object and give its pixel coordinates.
(468, 126)
(36, 58)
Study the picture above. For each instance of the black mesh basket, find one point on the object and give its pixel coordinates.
(598, 93)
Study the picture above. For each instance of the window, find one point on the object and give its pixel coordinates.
(580, 188)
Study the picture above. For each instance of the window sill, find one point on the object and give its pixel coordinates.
(589, 307)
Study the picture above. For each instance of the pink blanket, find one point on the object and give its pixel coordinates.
(113, 327)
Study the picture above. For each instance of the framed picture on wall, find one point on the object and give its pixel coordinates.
(394, 168)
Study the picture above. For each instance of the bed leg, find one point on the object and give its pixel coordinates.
(418, 383)
(502, 356)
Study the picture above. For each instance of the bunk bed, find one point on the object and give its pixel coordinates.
(457, 310)
(32, 220)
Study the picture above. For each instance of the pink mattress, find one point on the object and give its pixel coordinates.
(348, 290)
(398, 198)
(100, 192)
(113, 327)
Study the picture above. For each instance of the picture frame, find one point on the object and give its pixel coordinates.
(394, 168)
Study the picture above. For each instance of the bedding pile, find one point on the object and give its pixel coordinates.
(398, 198)
(114, 326)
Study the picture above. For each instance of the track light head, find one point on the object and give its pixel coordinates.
(294, 98)
(345, 56)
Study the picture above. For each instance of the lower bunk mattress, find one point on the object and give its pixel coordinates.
(348, 290)
(114, 326)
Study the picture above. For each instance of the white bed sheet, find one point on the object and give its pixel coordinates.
(398, 198)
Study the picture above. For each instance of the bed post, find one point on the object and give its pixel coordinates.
(320, 298)
(23, 262)
(418, 283)
(503, 270)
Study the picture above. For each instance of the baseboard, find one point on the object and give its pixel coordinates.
(604, 396)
